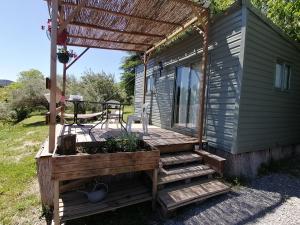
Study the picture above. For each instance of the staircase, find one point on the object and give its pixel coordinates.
(187, 177)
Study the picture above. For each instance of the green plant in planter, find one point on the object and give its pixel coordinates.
(111, 145)
(129, 142)
(63, 55)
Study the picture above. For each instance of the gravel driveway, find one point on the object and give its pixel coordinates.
(273, 199)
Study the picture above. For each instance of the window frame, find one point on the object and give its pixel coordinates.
(150, 79)
(173, 123)
(283, 81)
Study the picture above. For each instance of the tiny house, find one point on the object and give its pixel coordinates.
(252, 94)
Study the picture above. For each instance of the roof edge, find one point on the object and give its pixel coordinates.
(267, 21)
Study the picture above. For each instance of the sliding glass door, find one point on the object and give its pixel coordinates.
(186, 105)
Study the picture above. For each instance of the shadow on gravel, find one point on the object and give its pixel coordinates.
(243, 205)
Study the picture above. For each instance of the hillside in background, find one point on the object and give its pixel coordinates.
(4, 83)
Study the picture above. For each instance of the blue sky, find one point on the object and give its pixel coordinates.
(24, 45)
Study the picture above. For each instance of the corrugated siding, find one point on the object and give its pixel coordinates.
(267, 117)
(223, 83)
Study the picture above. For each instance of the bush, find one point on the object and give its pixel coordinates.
(4, 112)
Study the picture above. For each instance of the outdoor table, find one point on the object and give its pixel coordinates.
(107, 107)
(76, 104)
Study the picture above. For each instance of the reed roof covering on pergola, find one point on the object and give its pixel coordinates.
(130, 25)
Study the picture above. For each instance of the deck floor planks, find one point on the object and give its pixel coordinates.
(75, 205)
(156, 136)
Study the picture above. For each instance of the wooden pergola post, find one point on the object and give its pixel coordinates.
(145, 61)
(204, 62)
(52, 122)
(63, 93)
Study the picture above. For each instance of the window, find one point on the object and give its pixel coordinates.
(282, 76)
(187, 87)
(149, 84)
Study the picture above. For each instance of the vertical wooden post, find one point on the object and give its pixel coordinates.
(63, 92)
(56, 203)
(52, 123)
(154, 188)
(204, 72)
(145, 61)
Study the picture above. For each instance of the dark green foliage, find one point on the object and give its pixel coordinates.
(123, 143)
(284, 13)
(128, 76)
(23, 96)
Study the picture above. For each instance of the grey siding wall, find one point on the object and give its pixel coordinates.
(267, 117)
(223, 83)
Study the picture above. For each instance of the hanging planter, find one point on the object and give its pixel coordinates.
(63, 56)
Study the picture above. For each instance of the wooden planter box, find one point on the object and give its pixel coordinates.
(69, 167)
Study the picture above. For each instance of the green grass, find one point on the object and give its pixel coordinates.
(128, 110)
(18, 190)
(19, 194)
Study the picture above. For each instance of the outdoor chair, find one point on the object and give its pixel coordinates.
(143, 118)
(113, 113)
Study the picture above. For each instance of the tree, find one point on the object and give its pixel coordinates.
(99, 87)
(284, 13)
(27, 93)
(128, 76)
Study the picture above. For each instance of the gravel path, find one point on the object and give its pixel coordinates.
(273, 199)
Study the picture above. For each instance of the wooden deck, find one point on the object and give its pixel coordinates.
(163, 139)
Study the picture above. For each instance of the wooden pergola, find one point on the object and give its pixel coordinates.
(134, 25)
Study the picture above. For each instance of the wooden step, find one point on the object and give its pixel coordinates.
(175, 197)
(190, 173)
(183, 169)
(178, 158)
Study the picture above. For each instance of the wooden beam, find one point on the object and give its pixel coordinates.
(181, 29)
(71, 16)
(81, 54)
(98, 27)
(56, 203)
(99, 47)
(203, 86)
(53, 71)
(190, 3)
(109, 41)
(154, 188)
(62, 121)
(125, 15)
(145, 61)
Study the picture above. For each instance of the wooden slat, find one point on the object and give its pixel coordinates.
(181, 157)
(163, 179)
(184, 169)
(108, 41)
(179, 30)
(181, 195)
(82, 158)
(58, 168)
(112, 48)
(102, 172)
(113, 201)
(125, 15)
(215, 162)
(98, 27)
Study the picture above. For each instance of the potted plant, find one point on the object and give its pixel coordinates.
(63, 55)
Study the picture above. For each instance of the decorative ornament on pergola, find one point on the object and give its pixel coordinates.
(135, 25)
